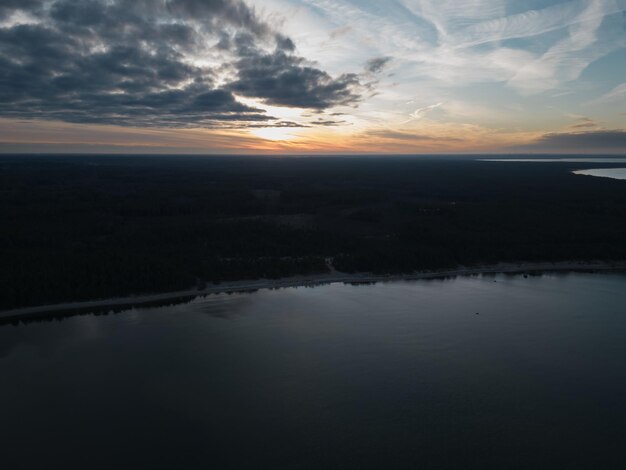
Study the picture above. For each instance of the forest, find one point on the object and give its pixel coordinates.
(85, 227)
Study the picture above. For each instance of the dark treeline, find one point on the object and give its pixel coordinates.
(86, 227)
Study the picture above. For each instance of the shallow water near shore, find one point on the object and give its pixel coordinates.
(473, 372)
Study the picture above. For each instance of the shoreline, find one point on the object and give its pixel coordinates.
(303, 281)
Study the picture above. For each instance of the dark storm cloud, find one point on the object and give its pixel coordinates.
(590, 140)
(285, 80)
(9, 6)
(129, 62)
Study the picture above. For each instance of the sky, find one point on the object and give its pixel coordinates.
(313, 76)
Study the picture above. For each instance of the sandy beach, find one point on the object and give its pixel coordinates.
(301, 281)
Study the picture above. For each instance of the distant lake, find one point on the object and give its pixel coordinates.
(501, 372)
(555, 160)
(613, 173)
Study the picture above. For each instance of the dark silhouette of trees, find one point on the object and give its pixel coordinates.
(84, 227)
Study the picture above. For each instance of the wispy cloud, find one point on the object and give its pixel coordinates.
(440, 38)
(421, 112)
(617, 94)
(535, 22)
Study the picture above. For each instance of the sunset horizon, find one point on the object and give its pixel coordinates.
(286, 77)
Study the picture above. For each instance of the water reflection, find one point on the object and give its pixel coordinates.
(401, 374)
(224, 306)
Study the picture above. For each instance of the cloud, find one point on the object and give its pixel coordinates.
(421, 112)
(616, 94)
(411, 136)
(377, 64)
(536, 22)
(584, 123)
(330, 122)
(610, 140)
(8, 7)
(338, 32)
(280, 79)
(155, 63)
(530, 47)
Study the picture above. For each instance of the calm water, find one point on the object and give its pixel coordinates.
(613, 173)
(398, 375)
(555, 160)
